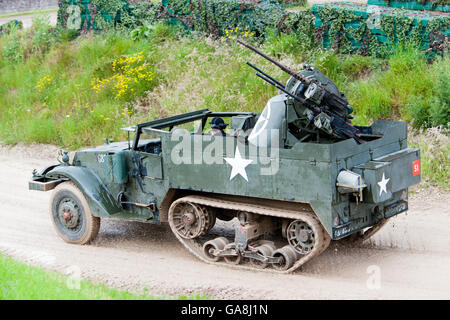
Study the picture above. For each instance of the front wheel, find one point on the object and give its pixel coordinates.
(71, 215)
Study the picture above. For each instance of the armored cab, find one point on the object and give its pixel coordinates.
(273, 190)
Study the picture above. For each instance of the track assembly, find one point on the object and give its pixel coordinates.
(255, 245)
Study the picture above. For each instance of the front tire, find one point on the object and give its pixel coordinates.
(71, 215)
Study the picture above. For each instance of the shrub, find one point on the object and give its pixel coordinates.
(132, 75)
(11, 26)
(409, 88)
(37, 40)
(12, 50)
(276, 44)
(432, 110)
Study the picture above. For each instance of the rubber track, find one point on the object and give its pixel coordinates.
(322, 238)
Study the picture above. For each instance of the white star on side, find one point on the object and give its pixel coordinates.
(238, 165)
(383, 184)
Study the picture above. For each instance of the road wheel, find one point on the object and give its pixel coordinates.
(288, 257)
(264, 250)
(216, 244)
(71, 215)
(232, 259)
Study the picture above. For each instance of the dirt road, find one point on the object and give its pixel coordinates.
(27, 20)
(409, 258)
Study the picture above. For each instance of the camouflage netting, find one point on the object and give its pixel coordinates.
(366, 29)
(346, 27)
(103, 14)
(212, 16)
(216, 16)
(433, 5)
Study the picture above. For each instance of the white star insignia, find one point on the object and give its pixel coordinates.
(383, 183)
(238, 165)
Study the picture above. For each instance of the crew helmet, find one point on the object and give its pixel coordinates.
(218, 123)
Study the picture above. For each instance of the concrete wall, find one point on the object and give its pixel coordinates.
(12, 6)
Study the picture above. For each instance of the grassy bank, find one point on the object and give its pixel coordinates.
(434, 145)
(19, 281)
(75, 92)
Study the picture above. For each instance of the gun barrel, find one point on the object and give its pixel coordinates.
(279, 65)
(338, 124)
(337, 101)
(265, 74)
(282, 88)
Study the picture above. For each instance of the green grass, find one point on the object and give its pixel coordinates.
(396, 92)
(19, 281)
(27, 13)
(434, 147)
(192, 72)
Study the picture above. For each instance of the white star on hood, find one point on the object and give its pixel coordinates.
(238, 165)
(383, 183)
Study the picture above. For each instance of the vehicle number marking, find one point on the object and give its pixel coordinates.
(101, 158)
(416, 167)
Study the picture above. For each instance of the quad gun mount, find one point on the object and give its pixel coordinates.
(318, 104)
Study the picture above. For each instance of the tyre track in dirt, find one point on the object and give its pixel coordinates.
(412, 252)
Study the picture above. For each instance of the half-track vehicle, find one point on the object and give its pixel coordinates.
(271, 192)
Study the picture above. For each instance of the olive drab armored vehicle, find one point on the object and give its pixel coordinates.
(270, 193)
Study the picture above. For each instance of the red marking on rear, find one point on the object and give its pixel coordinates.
(416, 167)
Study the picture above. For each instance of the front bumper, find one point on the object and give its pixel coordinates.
(40, 182)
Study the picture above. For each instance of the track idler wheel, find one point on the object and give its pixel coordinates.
(288, 257)
(210, 216)
(265, 250)
(300, 236)
(211, 246)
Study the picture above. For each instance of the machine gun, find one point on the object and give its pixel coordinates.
(330, 112)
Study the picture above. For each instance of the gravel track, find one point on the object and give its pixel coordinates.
(27, 20)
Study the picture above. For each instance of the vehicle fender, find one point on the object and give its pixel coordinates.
(322, 209)
(100, 200)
